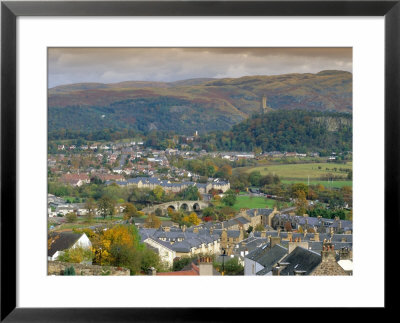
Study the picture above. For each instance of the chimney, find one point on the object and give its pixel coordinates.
(166, 229)
(290, 236)
(196, 230)
(211, 230)
(279, 232)
(184, 228)
(299, 272)
(274, 240)
(328, 252)
(205, 266)
(263, 234)
(276, 271)
(316, 236)
(298, 243)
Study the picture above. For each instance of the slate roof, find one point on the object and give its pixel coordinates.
(163, 243)
(62, 241)
(242, 220)
(317, 246)
(252, 243)
(251, 212)
(302, 260)
(270, 258)
(344, 237)
(182, 246)
(257, 253)
(233, 233)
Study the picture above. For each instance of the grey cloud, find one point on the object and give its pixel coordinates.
(109, 65)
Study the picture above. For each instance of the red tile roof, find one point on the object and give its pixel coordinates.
(192, 272)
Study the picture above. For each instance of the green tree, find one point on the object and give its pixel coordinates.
(229, 198)
(255, 178)
(106, 207)
(232, 267)
(190, 193)
(158, 193)
(150, 259)
(71, 217)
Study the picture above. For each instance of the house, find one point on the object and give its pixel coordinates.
(164, 249)
(299, 262)
(264, 258)
(58, 242)
(75, 179)
(329, 266)
(172, 242)
(203, 266)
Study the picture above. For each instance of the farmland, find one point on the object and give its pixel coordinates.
(314, 172)
(253, 202)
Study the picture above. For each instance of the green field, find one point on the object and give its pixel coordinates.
(256, 202)
(326, 184)
(314, 172)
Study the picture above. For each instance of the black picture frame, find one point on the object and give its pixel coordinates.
(10, 10)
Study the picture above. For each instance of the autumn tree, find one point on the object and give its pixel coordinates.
(298, 189)
(193, 219)
(301, 203)
(90, 206)
(76, 255)
(129, 211)
(288, 226)
(152, 221)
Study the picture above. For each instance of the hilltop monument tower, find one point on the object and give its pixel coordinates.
(263, 104)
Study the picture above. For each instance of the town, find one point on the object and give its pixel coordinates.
(127, 207)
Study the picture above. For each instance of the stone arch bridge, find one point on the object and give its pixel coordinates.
(177, 205)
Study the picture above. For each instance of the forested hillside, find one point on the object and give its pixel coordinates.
(202, 105)
(297, 130)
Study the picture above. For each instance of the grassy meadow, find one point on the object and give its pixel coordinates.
(253, 202)
(314, 172)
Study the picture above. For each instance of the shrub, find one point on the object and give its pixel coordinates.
(70, 271)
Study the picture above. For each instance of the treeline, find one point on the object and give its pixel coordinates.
(297, 130)
(143, 114)
(81, 137)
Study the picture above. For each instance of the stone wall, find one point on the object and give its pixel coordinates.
(57, 268)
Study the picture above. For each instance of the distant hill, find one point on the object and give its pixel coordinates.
(296, 130)
(185, 106)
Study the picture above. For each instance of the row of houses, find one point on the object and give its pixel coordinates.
(153, 182)
(272, 258)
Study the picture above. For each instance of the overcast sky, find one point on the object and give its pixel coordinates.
(111, 65)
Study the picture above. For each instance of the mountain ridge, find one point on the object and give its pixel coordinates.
(203, 104)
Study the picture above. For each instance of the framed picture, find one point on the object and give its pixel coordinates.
(57, 56)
